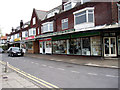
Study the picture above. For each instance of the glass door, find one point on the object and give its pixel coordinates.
(110, 47)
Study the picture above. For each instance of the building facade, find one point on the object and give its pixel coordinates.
(81, 28)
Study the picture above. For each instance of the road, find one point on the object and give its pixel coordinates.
(66, 75)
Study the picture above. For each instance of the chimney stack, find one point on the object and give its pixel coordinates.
(21, 24)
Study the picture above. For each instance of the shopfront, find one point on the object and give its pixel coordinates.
(110, 44)
(29, 44)
(45, 46)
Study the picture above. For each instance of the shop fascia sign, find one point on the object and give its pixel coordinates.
(28, 38)
(47, 39)
(17, 39)
(56, 33)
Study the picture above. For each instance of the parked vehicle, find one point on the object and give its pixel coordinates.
(1, 50)
(15, 51)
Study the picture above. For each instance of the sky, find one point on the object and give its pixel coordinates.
(12, 11)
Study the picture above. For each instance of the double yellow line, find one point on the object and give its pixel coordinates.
(39, 81)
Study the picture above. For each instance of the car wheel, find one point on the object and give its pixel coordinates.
(12, 55)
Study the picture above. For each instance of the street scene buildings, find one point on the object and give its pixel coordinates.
(82, 28)
(65, 46)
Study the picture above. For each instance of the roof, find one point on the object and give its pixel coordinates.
(41, 14)
(3, 37)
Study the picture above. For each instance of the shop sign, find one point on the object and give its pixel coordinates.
(17, 39)
(61, 37)
(32, 37)
(85, 34)
(56, 33)
(48, 39)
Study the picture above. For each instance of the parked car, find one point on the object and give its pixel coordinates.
(1, 50)
(15, 51)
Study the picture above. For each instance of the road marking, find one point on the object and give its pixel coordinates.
(92, 73)
(50, 67)
(75, 71)
(60, 68)
(44, 65)
(111, 76)
(59, 60)
(38, 80)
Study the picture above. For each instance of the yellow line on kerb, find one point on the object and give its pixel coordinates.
(42, 82)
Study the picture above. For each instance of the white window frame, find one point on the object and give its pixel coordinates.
(85, 9)
(118, 14)
(24, 34)
(48, 27)
(67, 5)
(31, 32)
(64, 21)
(34, 21)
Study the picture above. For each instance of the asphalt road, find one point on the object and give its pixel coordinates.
(66, 75)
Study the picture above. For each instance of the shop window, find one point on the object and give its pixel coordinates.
(96, 46)
(75, 46)
(86, 46)
(30, 45)
(40, 45)
(60, 47)
(48, 44)
(119, 45)
(64, 23)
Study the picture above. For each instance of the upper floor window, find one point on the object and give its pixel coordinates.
(64, 23)
(119, 14)
(47, 27)
(84, 16)
(34, 21)
(25, 34)
(52, 13)
(67, 6)
(32, 32)
(17, 35)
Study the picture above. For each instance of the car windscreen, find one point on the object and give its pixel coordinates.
(15, 48)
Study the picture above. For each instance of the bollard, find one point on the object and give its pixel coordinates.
(6, 67)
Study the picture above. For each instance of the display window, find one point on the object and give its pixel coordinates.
(85, 46)
(30, 45)
(119, 45)
(75, 46)
(40, 45)
(60, 47)
(96, 46)
(48, 44)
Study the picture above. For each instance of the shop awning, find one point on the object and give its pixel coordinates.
(61, 37)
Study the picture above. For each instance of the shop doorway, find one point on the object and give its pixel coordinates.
(110, 47)
(43, 47)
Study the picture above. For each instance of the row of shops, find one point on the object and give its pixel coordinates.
(103, 43)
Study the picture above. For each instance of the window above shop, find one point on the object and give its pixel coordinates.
(47, 27)
(69, 5)
(52, 13)
(34, 21)
(84, 18)
(64, 23)
(32, 32)
(38, 31)
(119, 14)
(25, 34)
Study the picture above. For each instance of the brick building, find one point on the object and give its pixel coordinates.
(81, 28)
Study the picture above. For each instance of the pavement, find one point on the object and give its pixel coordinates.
(80, 60)
(11, 79)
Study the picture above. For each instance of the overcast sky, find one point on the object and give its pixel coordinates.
(12, 11)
